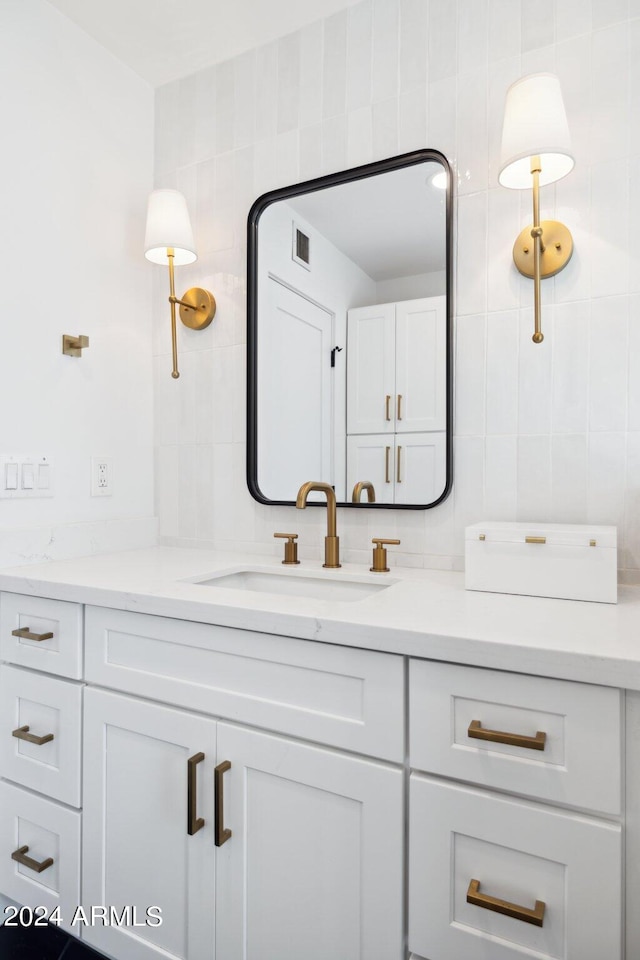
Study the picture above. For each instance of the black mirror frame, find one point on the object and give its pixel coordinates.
(309, 186)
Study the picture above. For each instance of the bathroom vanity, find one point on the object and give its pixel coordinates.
(317, 763)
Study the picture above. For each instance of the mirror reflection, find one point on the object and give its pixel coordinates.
(348, 338)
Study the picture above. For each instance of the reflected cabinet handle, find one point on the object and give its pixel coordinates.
(476, 732)
(399, 413)
(222, 834)
(387, 402)
(387, 451)
(22, 733)
(535, 916)
(19, 856)
(194, 822)
(398, 477)
(25, 634)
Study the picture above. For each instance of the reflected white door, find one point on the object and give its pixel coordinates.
(371, 369)
(295, 394)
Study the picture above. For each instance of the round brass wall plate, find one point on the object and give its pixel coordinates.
(201, 309)
(558, 247)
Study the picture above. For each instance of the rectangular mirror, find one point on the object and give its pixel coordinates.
(349, 336)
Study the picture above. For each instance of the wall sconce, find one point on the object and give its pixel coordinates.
(536, 150)
(169, 240)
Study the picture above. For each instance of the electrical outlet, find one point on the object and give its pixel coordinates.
(101, 477)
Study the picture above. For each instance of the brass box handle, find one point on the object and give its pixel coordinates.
(22, 733)
(25, 634)
(19, 856)
(194, 822)
(535, 916)
(535, 539)
(477, 732)
(387, 402)
(222, 833)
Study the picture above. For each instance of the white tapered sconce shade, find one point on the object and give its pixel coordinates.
(535, 125)
(536, 150)
(169, 227)
(169, 241)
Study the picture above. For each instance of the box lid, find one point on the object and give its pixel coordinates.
(558, 534)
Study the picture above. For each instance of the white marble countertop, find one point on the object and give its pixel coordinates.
(424, 613)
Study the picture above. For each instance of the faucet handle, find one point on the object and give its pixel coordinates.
(380, 555)
(290, 547)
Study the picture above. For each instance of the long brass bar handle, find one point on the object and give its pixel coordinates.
(25, 634)
(19, 856)
(194, 822)
(22, 733)
(398, 477)
(476, 732)
(222, 833)
(535, 916)
(387, 401)
(399, 414)
(387, 451)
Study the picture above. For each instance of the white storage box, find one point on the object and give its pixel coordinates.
(567, 561)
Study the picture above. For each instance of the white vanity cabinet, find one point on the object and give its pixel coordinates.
(404, 468)
(396, 367)
(313, 863)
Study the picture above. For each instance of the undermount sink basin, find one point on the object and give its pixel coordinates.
(320, 587)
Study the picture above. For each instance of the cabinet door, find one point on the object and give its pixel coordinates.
(371, 369)
(420, 466)
(371, 457)
(137, 852)
(313, 866)
(421, 363)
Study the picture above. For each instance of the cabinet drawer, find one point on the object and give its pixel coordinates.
(48, 707)
(60, 653)
(518, 853)
(580, 760)
(49, 831)
(335, 695)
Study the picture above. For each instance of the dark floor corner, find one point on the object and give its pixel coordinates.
(42, 943)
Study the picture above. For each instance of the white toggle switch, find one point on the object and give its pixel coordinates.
(27, 476)
(11, 476)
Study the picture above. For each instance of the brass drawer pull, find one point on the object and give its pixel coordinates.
(194, 822)
(476, 732)
(387, 401)
(25, 634)
(222, 833)
(535, 916)
(387, 451)
(399, 415)
(22, 733)
(19, 856)
(398, 477)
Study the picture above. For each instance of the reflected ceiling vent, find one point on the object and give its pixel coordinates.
(300, 251)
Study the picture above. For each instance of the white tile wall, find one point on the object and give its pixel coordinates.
(547, 433)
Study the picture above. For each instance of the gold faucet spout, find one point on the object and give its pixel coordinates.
(331, 541)
(359, 487)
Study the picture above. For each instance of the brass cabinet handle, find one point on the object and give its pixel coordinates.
(19, 856)
(398, 477)
(535, 539)
(22, 733)
(194, 822)
(476, 732)
(26, 634)
(387, 401)
(222, 833)
(387, 451)
(535, 916)
(399, 414)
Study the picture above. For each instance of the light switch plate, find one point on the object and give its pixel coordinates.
(25, 477)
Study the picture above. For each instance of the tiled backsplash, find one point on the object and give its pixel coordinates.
(549, 432)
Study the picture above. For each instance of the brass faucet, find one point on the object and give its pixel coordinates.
(331, 541)
(359, 487)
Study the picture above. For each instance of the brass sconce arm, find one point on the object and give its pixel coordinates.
(197, 310)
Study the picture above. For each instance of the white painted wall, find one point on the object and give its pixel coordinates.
(546, 433)
(75, 169)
